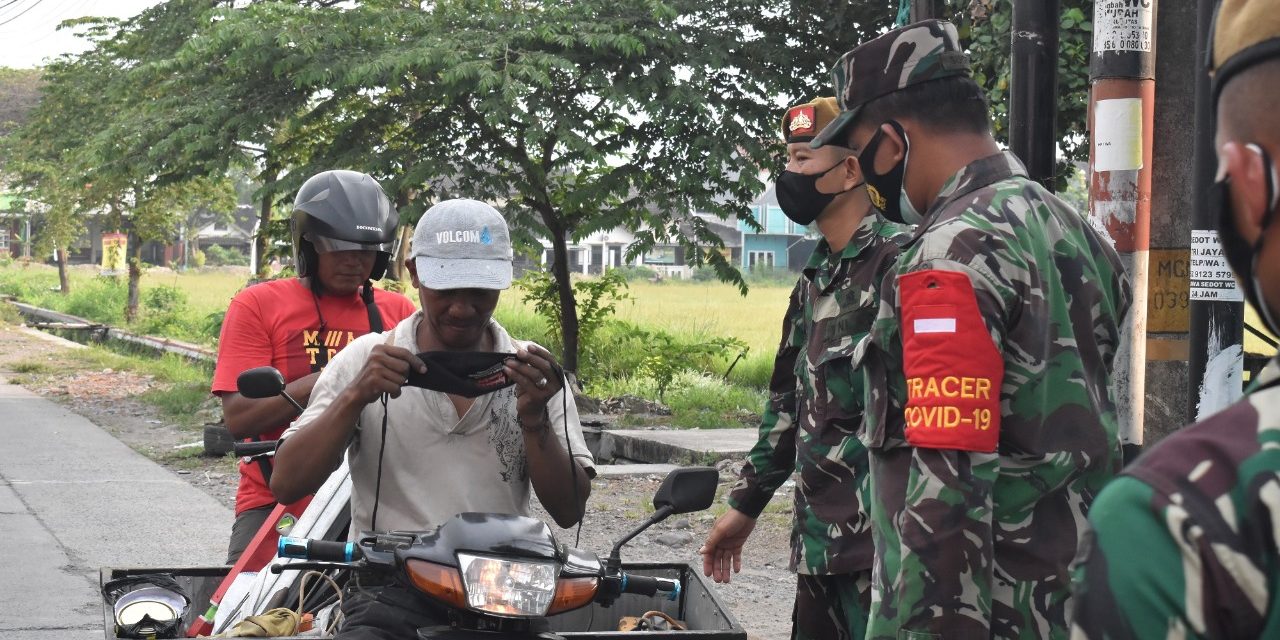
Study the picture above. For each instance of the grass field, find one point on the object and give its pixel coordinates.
(188, 306)
(696, 308)
(710, 309)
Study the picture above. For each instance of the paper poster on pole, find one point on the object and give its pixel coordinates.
(1122, 25)
(1117, 139)
(1211, 276)
(114, 248)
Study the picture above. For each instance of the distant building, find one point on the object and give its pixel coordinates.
(15, 228)
(780, 243)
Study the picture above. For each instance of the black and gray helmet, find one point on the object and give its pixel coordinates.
(342, 211)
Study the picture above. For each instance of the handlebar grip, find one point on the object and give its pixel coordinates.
(258, 448)
(323, 550)
(647, 585)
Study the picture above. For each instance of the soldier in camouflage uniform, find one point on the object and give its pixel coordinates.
(989, 418)
(1184, 544)
(816, 394)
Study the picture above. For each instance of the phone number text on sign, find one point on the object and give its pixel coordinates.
(1122, 25)
(1211, 276)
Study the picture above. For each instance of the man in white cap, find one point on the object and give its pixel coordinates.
(483, 418)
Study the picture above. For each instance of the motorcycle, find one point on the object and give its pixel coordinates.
(494, 576)
(506, 576)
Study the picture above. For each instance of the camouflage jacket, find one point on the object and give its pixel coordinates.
(815, 405)
(989, 416)
(1184, 544)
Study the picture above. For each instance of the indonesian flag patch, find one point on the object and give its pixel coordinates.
(803, 121)
(954, 372)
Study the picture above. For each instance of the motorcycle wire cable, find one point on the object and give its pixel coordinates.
(382, 448)
(302, 591)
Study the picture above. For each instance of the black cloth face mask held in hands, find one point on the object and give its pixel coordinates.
(1243, 258)
(469, 374)
(799, 197)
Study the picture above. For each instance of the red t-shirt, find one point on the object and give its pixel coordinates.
(276, 323)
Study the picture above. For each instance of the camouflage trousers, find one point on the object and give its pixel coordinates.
(831, 607)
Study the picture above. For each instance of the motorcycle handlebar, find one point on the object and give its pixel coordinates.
(647, 586)
(321, 550)
(257, 448)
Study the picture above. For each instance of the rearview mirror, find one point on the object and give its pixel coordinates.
(687, 490)
(260, 382)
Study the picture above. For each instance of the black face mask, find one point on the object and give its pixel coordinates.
(1242, 257)
(469, 374)
(799, 197)
(885, 190)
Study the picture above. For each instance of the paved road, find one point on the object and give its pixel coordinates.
(73, 499)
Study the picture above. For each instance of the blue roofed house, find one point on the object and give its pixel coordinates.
(780, 243)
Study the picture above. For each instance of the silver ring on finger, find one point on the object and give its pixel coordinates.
(541, 383)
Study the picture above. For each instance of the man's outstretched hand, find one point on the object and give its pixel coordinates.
(724, 545)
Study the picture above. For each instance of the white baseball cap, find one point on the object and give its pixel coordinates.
(462, 244)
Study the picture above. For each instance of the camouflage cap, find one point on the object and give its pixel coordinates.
(907, 56)
(1245, 32)
(803, 121)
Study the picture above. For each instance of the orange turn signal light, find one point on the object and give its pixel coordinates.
(438, 581)
(573, 593)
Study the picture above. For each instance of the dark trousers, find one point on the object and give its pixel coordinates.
(831, 607)
(244, 528)
(384, 612)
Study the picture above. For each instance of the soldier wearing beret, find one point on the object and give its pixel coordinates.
(1184, 543)
(989, 419)
(815, 406)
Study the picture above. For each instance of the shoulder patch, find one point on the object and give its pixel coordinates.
(953, 370)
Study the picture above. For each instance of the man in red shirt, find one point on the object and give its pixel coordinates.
(342, 226)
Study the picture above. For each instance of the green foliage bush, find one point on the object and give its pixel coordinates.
(101, 300)
(596, 300)
(9, 315)
(771, 276)
(703, 274)
(666, 356)
(218, 256)
(165, 313)
(164, 298)
(632, 273)
(696, 400)
(212, 325)
(198, 259)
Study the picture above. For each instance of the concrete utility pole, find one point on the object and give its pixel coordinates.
(1121, 112)
(1172, 203)
(1217, 305)
(1033, 91)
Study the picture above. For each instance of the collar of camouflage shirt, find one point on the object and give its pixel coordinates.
(820, 264)
(975, 175)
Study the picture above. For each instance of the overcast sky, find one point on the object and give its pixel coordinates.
(28, 28)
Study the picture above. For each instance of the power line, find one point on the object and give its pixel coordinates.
(22, 13)
(68, 9)
(10, 2)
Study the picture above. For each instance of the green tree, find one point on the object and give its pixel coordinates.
(985, 26)
(19, 93)
(50, 157)
(575, 117)
(156, 214)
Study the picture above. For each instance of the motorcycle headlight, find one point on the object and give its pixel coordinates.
(508, 587)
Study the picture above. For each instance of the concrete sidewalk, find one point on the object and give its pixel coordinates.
(676, 446)
(73, 499)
